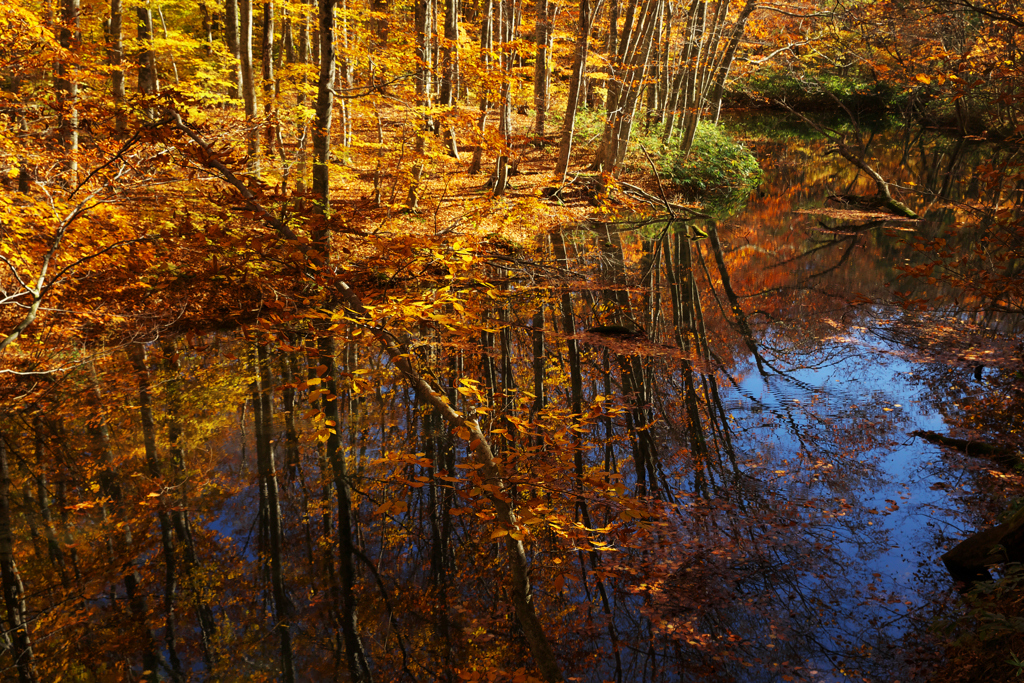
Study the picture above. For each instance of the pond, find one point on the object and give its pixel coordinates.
(704, 433)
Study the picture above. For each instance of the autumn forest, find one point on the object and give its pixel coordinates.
(511, 340)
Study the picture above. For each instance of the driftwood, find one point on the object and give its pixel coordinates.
(1002, 454)
(968, 562)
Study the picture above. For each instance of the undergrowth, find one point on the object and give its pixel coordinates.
(717, 170)
(988, 637)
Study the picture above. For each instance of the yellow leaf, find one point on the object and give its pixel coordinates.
(499, 533)
(923, 78)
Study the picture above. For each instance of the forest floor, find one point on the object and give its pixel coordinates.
(457, 203)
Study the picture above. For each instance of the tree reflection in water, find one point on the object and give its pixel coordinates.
(701, 435)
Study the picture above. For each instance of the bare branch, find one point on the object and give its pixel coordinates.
(41, 288)
(210, 160)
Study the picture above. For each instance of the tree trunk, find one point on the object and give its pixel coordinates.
(345, 81)
(322, 120)
(506, 10)
(575, 87)
(379, 25)
(252, 134)
(741, 316)
(54, 549)
(690, 114)
(634, 60)
(231, 38)
(359, 670)
(110, 487)
(115, 55)
(70, 41)
(138, 358)
(179, 514)
(450, 70)
(204, 11)
(267, 471)
(14, 591)
(486, 45)
(730, 54)
(163, 27)
(267, 50)
(302, 133)
(289, 375)
(424, 57)
(149, 84)
(542, 66)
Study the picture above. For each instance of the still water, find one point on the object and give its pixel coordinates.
(705, 437)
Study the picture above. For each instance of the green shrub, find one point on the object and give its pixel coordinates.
(717, 167)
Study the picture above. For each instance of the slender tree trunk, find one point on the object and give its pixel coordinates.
(542, 66)
(424, 55)
(289, 374)
(268, 475)
(322, 120)
(110, 487)
(359, 671)
(486, 45)
(179, 514)
(665, 80)
(506, 19)
(623, 95)
(450, 70)
(611, 44)
(267, 50)
(358, 668)
(575, 86)
(539, 367)
(115, 56)
(304, 53)
(344, 81)
(734, 303)
(231, 38)
(207, 26)
(432, 448)
(379, 25)
(163, 28)
(252, 134)
(14, 591)
(149, 84)
(673, 115)
(730, 54)
(138, 358)
(67, 87)
(54, 549)
(691, 94)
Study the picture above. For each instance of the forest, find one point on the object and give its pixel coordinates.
(511, 340)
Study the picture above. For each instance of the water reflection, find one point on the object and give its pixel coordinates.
(701, 428)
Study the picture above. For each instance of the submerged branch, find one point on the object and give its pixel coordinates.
(883, 195)
(1000, 453)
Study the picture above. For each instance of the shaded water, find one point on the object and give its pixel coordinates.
(737, 496)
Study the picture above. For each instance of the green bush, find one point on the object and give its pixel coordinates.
(717, 167)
